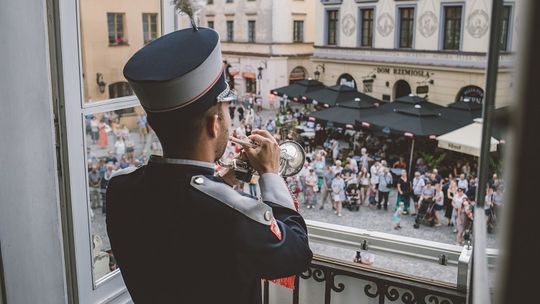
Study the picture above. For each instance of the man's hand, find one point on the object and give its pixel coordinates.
(265, 156)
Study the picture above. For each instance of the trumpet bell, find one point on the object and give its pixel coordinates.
(291, 158)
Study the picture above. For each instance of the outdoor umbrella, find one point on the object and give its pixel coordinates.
(330, 96)
(298, 88)
(463, 112)
(466, 139)
(420, 120)
(346, 115)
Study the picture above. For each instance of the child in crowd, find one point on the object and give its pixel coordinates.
(372, 193)
(396, 218)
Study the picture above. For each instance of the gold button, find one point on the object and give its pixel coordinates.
(267, 215)
(199, 181)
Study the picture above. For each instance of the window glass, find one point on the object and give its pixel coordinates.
(332, 23)
(298, 31)
(114, 140)
(452, 27)
(505, 27)
(406, 27)
(230, 30)
(110, 33)
(211, 24)
(366, 39)
(251, 31)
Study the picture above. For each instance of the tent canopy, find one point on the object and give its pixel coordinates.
(298, 88)
(466, 139)
(334, 95)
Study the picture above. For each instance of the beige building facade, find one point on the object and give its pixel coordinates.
(267, 44)
(111, 31)
(431, 48)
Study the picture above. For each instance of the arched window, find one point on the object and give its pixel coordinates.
(346, 79)
(297, 74)
(119, 89)
(401, 88)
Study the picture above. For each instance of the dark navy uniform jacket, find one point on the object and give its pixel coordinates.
(181, 235)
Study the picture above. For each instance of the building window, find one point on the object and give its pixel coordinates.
(230, 30)
(251, 85)
(452, 27)
(119, 89)
(251, 31)
(406, 27)
(211, 24)
(331, 27)
(366, 32)
(505, 30)
(298, 31)
(115, 22)
(149, 22)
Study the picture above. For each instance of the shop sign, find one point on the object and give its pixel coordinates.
(422, 89)
(471, 94)
(403, 71)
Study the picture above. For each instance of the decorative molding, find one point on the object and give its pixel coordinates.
(478, 23)
(348, 25)
(385, 24)
(251, 13)
(427, 24)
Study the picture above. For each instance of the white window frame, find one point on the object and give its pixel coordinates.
(110, 288)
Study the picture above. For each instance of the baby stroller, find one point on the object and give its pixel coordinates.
(352, 193)
(425, 213)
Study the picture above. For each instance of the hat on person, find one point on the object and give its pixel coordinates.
(180, 70)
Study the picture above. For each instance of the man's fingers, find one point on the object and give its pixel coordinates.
(258, 139)
(263, 133)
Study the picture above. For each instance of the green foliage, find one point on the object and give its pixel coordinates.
(495, 166)
(432, 161)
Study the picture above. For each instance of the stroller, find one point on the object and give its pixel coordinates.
(352, 193)
(425, 214)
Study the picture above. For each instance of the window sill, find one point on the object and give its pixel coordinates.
(118, 44)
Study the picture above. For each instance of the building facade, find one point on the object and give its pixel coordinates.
(266, 44)
(431, 48)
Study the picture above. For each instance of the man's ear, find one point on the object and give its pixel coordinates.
(212, 125)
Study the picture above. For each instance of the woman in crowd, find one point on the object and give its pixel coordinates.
(103, 139)
(450, 192)
(457, 201)
(463, 220)
(439, 204)
(310, 184)
(338, 192)
(404, 191)
(363, 178)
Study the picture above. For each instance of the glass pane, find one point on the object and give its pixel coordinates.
(114, 140)
(108, 43)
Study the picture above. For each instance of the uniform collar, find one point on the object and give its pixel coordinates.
(177, 161)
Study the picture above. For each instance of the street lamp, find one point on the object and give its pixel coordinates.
(101, 84)
(317, 73)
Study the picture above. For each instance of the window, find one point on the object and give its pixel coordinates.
(452, 27)
(230, 30)
(251, 31)
(251, 85)
(298, 31)
(331, 27)
(505, 27)
(211, 24)
(149, 22)
(406, 27)
(366, 32)
(119, 89)
(115, 22)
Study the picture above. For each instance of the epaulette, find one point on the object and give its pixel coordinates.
(250, 207)
(124, 171)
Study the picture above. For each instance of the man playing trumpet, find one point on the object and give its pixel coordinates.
(179, 233)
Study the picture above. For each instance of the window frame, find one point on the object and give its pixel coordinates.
(78, 224)
(252, 32)
(297, 33)
(442, 26)
(230, 32)
(361, 26)
(148, 18)
(210, 24)
(510, 27)
(327, 27)
(115, 22)
(397, 42)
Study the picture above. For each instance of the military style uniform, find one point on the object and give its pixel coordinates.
(179, 233)
(182, 235)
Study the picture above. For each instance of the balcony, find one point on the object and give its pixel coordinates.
(338, 280)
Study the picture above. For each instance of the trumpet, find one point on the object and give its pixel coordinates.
(291, 160)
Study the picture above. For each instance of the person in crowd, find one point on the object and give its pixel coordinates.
(404, 191)
(328, 177)
(270, 126)
(142, 123)
(439, 204)
(272, 101)
(232, 112)
(310, 197)
(421, 165)
(418, 184)
(385, 181)
(337, 168)
(494, 181)
(119, 147)
(435, 176)
(103, 138)
(353, 164)
(94, 180)
(451, 190)
(94, 128)
(335, 149)
(427, 195)
(375, 172)
(364, 158)
(471, 191)
(462, 220)
(400, 164)
(241, 130)
(457, 200)
(258, 120)
(372, 196)
(364, 180)
(240, 109)
(338, 192)
(462, 182)
(258, 102)
(319, 163)
(249, 128)
(466, 169)
(253, 185)
(396, 218)
(104, 183)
